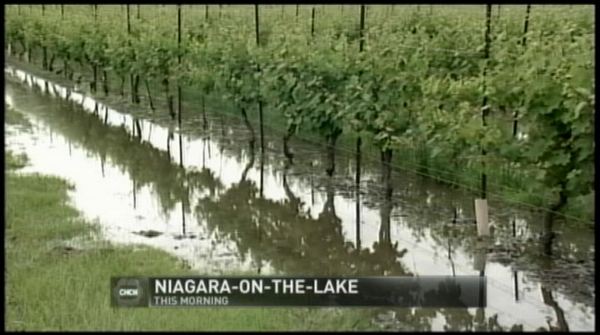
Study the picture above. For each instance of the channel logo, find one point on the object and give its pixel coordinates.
(129, 292)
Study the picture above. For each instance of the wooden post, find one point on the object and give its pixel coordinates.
(44, 49)
(484, 107)
(129, 43)
(178, 84)
(260, 109)
(359, 139)
(481, 215)
(256, 25)
(312, 22)
(481, 208)
(526, 25)
(524, 42)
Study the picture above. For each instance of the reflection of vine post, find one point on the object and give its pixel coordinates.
(133, 191)
(102, 165)
(251, 161)
(386, 207)
(204, 121)
(294, 201)
(331, 139)
(222, 126)
(286, 150)
(203, 152)
(515, 273)
(183, 215)
(548, 234)
(329, 206)
(169, 97)
(562, 324)
(516, 283)
(262, 173)
(450, 257)
(358, 246)
(479, 264)
(180, 150)
(312, 188)
(169, 136)
(386, 159)
(246, 123)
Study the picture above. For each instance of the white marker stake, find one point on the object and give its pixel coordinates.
(481, 214)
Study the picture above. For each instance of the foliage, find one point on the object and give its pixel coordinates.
(419, 80)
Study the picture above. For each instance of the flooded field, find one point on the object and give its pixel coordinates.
(207, 195)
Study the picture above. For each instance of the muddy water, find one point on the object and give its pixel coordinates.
(208, 196)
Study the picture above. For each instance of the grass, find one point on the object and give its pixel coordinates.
(14, 161)
(51, 285)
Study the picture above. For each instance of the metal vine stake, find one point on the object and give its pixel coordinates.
(485, 107)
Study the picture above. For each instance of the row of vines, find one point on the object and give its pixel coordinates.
(418, 80)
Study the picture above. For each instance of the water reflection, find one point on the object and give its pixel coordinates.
(223, 213)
